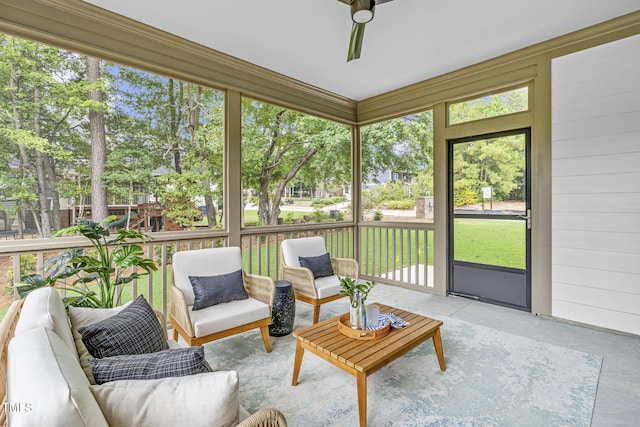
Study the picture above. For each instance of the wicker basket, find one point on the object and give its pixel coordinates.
(344, 326)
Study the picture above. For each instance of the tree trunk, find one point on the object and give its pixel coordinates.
(174, 109)
(211, 208)
(99, 209)
(55, 195)
(45, 215)
(25, 167)
(269, 210)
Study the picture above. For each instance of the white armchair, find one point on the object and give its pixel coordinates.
(307, 288)
(222, 319)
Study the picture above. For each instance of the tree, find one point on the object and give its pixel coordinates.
(497, 162)
(38, 103)
(279, 144)
(99, 209)
(183, 131)
(403, 145)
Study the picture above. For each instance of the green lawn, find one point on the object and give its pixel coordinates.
(492, 242)
(251, 216)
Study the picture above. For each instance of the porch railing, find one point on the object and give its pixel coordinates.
(399, 254)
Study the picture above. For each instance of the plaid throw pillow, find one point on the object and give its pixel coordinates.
(152, 366)
(134, 330)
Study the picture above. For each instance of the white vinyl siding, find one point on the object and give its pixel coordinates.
(596, 186)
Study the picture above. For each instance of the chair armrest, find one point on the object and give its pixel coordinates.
(7, 329)
(267, 417)
(345, 267)
(179, 310)
(163, 323)
(302, 280)
(261, 288)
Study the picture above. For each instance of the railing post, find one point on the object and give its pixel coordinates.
(233, 204)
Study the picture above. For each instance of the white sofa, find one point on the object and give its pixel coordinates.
(46, 385)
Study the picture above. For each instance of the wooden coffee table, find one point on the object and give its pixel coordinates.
(361, 358)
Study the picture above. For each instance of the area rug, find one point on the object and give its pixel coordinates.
(493, 378)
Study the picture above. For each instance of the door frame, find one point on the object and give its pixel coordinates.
(528, 208)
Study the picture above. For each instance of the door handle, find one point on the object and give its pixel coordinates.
(527, 218)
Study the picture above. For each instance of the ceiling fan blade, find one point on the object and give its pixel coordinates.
(347, 2)
(355, 44)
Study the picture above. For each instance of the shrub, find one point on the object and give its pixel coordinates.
(327, 201)
(465, 196)
(377, 216)
(288, 218)
(157, 251)
(402, 204)
(319, 215)
(27, 267)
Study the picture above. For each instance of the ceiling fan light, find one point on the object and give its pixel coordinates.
(362, 11)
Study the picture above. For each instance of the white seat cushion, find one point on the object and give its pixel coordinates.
(210, 399)
(305, 247)
(43, 308)
(203, 262)
(328, 286)
(221, 317)
(45, 384)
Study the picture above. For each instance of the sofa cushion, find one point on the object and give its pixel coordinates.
(203, 262)
(212, 290)
(80, 317)
(319, 265)
(210, 399)
(43, 308)
(151, 366)
(134, 330)
(45, 384)
(228, 315)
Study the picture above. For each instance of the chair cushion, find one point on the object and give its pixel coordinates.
(212, 290)
(81, 316)
(228, 315)
(43, 307)
(201, 400)
(328, 286)
(151, 366)
(134, 330)
(45, 384)
(320, 265)
(305, 246)
(203, 262)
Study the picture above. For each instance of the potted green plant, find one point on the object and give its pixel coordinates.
(94, 278)
(349, 287)
(357, 293)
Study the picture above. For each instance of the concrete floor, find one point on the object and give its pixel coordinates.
(618, 396)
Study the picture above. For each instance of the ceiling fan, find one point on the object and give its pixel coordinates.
(361, 12)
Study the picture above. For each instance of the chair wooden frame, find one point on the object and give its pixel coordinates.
(304, 284)
(258, 287)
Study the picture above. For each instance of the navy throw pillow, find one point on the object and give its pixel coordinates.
(212, 290)
(320, 266)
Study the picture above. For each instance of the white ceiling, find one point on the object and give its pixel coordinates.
(408, 40)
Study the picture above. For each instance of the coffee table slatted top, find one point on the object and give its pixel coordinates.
(367, 356)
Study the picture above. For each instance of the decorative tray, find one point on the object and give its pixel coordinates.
(344, 326)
